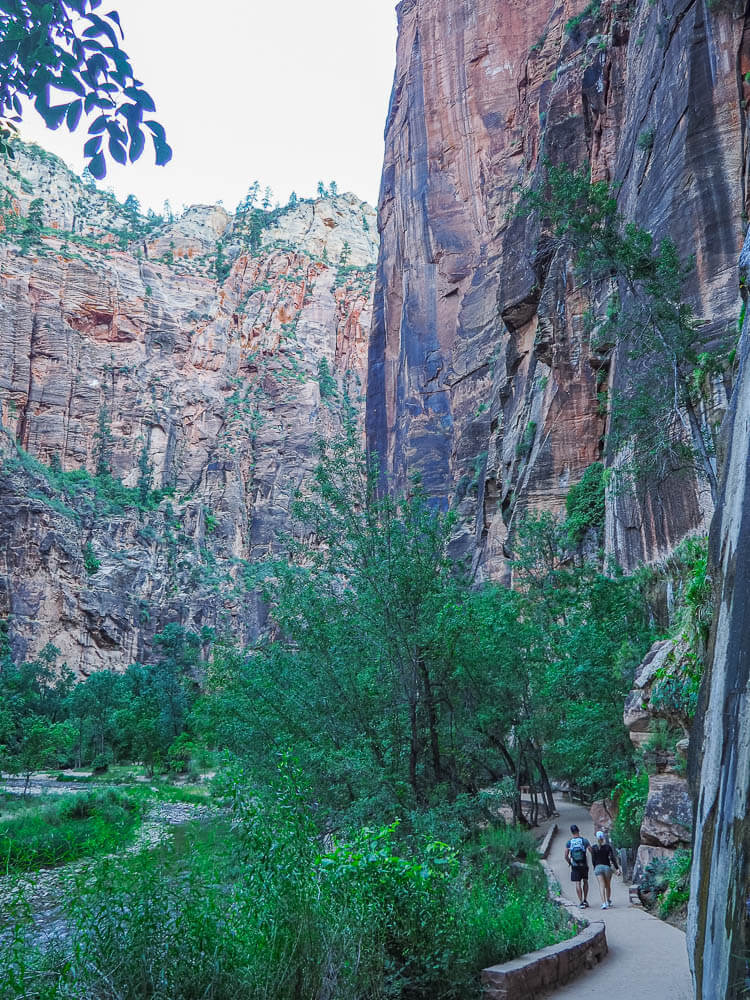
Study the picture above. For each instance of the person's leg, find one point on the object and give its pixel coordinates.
(585, 884)
(608, 888)
(602, 887)
(579, 891)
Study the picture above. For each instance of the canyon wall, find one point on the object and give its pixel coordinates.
(195, 370)
(718, 913)
(482, 374)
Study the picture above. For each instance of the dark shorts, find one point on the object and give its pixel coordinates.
(579, 874)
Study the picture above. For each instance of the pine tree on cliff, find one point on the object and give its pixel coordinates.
(103, 443)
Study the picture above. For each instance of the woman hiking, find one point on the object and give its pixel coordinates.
(604, 861)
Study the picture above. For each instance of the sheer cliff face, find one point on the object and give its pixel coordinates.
(217, 390)
(717, 925)
(481, 374)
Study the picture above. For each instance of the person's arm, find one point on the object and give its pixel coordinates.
(567, 855)
(613, 856)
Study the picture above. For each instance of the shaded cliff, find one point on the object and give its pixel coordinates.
(482, 373)
(718, 912)
(192, 363)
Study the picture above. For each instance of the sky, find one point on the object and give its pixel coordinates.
(288, 92)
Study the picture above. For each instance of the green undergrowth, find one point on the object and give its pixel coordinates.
(261, 909)
(630, 798)
(64, 828)
(78, 492)
(585, 503)
(665, 885)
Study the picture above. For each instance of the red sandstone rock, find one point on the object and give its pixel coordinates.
(219, 384)
(481, 372)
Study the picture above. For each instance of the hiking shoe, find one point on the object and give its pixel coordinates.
(609, 903)
(584, 904)
(604, 906)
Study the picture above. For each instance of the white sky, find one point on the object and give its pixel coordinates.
(288, 91)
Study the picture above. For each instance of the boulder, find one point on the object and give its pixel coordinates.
(636, 714)
(668, 818)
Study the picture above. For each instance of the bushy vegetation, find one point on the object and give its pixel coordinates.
(420, 704)
(64, 828)
(78, 492)
(402, 685)
(665, 884)
(584, 504)
(266, 911)
(630, 797)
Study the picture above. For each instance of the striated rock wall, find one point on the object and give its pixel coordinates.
(481, 373)
(214, 391)
(718, 913)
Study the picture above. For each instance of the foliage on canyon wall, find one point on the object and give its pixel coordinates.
(661, 418)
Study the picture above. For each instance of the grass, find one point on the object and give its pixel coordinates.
(61, 829)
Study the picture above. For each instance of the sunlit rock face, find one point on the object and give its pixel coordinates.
(482, 377)
(219, 390)
(718, 909)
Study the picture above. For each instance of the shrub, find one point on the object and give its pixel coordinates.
(666, 882)
(645, 140)
(90, 562)
(262, 912)
(592, 10)
(630, 797)
(584, 503)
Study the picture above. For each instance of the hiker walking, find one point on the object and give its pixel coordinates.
(575, 855)
(604, 860)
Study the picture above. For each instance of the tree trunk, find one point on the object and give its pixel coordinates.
(413, 749)
(432, 722)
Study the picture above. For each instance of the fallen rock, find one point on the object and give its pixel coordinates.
(668, 818)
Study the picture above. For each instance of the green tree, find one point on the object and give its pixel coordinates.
(593, 631)
(103, 444)
(145, 475)
(31, 232)
(65, 51)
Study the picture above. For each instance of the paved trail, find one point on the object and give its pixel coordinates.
(647, 958)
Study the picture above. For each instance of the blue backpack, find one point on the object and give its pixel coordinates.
(577, 852)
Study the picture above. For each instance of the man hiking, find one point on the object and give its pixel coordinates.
(575, 855)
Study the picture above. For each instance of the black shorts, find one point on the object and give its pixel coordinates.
(579, 874)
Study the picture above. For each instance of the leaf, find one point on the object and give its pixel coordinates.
(98, 125)
(98, 166)
(137, 143)
(54, 115)
(114, 16)
(163, 152)
(100, 27)
(73, 115)
(141, 97)
(117, 150)
(157, 129)
(92, 147)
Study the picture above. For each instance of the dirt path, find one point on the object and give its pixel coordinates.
(647, 957)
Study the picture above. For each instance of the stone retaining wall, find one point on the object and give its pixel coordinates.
(525, 977)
